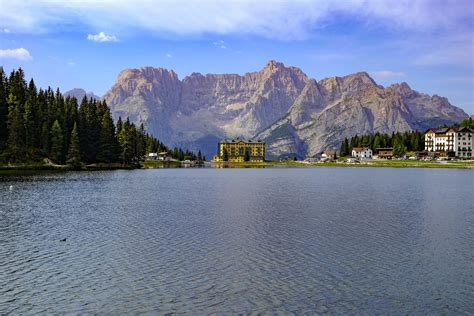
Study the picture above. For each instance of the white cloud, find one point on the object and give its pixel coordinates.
(102, 37)
(6, 31)
(71, 63)
(386, 74)
(220, 44)
(168, 55)
(282, 19)
(16, 53)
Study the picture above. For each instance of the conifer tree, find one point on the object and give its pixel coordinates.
(74, 154)
(108, 146)
(56, 143)
(15, 127)
(3, 110)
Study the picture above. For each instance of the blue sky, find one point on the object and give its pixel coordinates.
(68, 44)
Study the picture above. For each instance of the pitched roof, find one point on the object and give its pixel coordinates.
(237, 140)
(329, 152)
(359, 149)
(446, 129)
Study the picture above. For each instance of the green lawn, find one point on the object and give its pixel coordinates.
(465, 164)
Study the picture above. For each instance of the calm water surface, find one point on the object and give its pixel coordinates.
(337, 240)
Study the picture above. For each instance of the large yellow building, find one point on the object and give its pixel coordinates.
(239, 150)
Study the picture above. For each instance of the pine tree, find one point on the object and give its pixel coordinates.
(377, 142)
(199, 156)
(15, 128)
(74, 154)
(108, 145)
(56, 143)
(3, 109)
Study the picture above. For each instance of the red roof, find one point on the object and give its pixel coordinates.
(359, 149)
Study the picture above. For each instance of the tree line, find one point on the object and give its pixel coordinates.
(37, 124)
(400, 142)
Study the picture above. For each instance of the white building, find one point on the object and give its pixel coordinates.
(152, 156)
(329, 154)
(450, 141)
(361, 152)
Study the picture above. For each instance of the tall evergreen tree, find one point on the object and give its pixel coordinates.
(74, 154)
(3, 109)
(108, 145)
(15, 127)
(56, 151)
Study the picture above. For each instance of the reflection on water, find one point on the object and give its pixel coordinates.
(337, 240)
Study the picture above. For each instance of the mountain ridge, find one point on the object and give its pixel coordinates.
(293, 113)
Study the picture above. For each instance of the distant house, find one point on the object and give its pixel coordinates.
(152, 156)
(329, 154)
(164, 156)
(385, 153)
(361, 152)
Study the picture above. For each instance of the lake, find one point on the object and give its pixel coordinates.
(273, 240)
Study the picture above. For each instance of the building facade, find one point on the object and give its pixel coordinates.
(239, 150)
(450, 141)
(361, 152)
(329, 154)
(384, 153)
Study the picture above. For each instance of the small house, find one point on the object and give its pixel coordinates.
(164, 156)
(361, 152)
(384, 153)
(152, 156)
(329, 154)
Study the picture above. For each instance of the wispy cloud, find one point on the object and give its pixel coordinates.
(386, 74)
(268, 18)
(71, 63)
(6, 31)
(168, 55)
(220, 44)
(102, 37)
(16, 53)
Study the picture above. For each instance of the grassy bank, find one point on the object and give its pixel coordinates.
(465, 164)
(153, 164)
(39, 166)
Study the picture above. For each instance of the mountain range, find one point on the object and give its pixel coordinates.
(79, 94)
(292, 113)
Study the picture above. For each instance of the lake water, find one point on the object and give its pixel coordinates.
(337, 240)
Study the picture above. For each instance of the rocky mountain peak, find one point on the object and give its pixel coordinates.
(79, 94)
(273, 65)
(280, 104)
(402, 89)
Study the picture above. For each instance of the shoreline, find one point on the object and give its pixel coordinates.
(465, 164)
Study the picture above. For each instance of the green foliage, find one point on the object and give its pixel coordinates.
(3, 109)
(55, 152)
(42, 124)
(467, 123)
(74, 153)
(399, 148)
(401, 142)
(109, 148)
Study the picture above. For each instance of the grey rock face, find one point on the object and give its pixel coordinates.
(281, 105)
(79, 94)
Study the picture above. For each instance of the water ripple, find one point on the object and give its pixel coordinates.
(207, 241)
